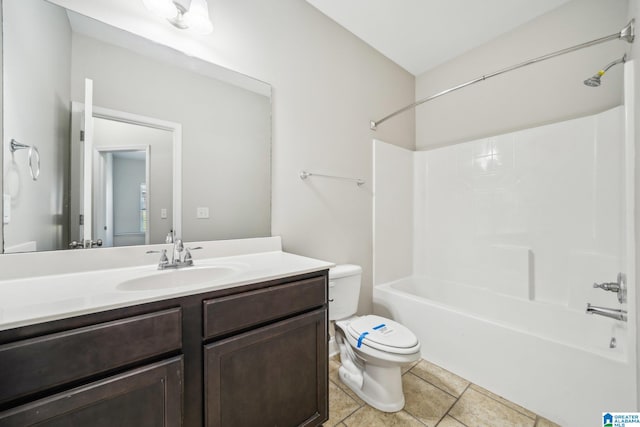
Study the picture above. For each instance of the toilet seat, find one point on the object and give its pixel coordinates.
(382, 334)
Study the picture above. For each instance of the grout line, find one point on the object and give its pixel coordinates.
(359, 406)
(435, 386)
(454, 404)
(457, 420)
(440, 388)
(346, 390)
(441, 418)
(356, 410)
(465, 389)
(413, 416)
(507, 406)
(478, 391)
(347, 394)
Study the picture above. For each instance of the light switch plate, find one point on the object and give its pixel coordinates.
(163, 213)
(202, 213)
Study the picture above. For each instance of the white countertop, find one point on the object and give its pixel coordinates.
(40, 299)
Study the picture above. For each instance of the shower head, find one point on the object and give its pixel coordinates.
(594, 81)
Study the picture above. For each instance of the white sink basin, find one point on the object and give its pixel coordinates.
(188, 276)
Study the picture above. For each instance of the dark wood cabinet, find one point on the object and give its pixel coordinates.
(272, 376)
(244, 310)
(41, 363)
(254, 355)
(150, 396)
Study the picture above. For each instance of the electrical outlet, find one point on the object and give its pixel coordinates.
(202, 213)
(163, 213)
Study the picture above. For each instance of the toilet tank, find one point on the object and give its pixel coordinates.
(344, 290)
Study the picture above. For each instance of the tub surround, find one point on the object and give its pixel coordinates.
(223, 351)
(506, 267)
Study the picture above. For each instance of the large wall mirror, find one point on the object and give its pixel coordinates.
(120, 139)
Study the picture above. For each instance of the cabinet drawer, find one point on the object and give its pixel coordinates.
(235, 312)
(150, 396)
(40, 363)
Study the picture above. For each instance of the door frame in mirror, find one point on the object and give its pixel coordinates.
(99, 194)
(120, 116)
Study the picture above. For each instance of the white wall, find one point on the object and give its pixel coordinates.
(225, 133)
(538, 94)
(36, 112)
(327, 86)
(393, 212)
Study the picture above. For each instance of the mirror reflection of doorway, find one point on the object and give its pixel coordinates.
(132, 182)
(118, 131)
(121, 197)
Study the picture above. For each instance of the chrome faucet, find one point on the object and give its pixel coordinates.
(177, 259)
(178, 248)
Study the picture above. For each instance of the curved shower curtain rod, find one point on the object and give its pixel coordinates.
(627, 34)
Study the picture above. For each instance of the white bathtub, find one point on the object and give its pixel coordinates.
(548, 358)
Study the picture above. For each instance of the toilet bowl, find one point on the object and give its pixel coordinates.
(372, 348)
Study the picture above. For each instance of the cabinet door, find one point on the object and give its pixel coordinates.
(272, 376)
(144, 397)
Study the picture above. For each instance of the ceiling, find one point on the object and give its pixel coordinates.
(418, 35)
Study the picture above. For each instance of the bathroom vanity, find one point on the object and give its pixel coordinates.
(239, 351)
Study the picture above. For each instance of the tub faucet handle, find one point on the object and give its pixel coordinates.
(607, 286)
(619, 287)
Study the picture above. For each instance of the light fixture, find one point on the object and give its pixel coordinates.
(192, 15)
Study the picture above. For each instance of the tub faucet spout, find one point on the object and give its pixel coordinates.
(612, 313)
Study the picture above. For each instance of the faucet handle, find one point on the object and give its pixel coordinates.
(188, 259)
(610, 286)
(619, 287)
(163, 257)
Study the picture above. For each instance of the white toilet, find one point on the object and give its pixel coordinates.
(372, 348)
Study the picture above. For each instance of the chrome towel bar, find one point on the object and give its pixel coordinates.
(305, 175)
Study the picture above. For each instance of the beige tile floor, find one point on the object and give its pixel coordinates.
(434, 397)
